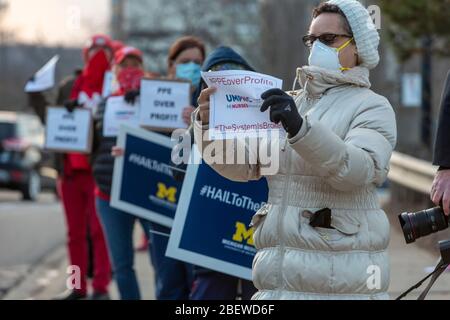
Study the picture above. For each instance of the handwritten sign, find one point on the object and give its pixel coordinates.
(162, 104)
(119, 112)
(109, 83)
(235, 107)
(69, 131)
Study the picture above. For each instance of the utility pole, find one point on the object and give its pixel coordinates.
(3, 8)
(427, 56)
(427, 44)
(118, 19)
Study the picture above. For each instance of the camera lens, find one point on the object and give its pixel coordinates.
(420, 224)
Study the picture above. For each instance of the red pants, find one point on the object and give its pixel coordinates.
(77, 193)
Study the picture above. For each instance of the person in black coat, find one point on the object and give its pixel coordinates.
(209, 284)
(440, 192)
(117, 224)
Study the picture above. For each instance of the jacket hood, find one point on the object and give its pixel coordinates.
(316, 81)
(220, 55)
(224, 54)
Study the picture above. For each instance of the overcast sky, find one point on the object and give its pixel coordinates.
(67, 22)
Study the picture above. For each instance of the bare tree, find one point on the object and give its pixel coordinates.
(154, 24)
(3, 34)
(6, 35)
(283, 23)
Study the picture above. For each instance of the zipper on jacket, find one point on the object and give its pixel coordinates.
(308, 103)
(281, 218)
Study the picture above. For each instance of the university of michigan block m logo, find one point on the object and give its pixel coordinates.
(242, 233)
(166, 193)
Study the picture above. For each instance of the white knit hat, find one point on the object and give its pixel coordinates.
(364, 31)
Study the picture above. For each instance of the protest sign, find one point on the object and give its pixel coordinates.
(162, 104)
(69, 131)
(412, 90)
(143, 184)
(235, 107)
(117, 112)
(211, 227)
(110, 84)
(44, 79)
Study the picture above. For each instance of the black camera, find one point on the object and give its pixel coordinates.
(420, 224)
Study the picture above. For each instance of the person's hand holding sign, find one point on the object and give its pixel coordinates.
(203, 104)
(131, 96)
(282, 109)
(117, 151)
(187, 114)
(71, 105)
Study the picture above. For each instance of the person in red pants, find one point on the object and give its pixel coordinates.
(77, 186)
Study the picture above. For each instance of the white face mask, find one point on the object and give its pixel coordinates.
(326, 57)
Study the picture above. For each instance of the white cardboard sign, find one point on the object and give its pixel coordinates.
(162, 103)
(69, 131)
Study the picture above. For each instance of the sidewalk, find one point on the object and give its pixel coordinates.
(48, 278)
(408, 264)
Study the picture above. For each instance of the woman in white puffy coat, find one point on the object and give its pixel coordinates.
(340, 139)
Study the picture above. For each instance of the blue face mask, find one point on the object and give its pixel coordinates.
(189, 71)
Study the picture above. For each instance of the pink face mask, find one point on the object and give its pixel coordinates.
(130, 79)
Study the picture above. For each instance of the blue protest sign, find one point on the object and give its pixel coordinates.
(143, 184)
(211, 226)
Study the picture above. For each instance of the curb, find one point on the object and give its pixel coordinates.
(38, 276)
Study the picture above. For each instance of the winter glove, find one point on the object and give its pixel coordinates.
(70, 105)
(130, 96)
(282, 109)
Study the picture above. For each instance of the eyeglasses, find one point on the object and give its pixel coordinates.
(326, 38)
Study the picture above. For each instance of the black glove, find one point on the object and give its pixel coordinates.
(282, 109)
(130, 96)
(70, 105)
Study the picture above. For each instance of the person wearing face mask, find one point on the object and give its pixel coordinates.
(322, 234)
(76, 183)
(174, 278)
(118, 225)
(185, 60)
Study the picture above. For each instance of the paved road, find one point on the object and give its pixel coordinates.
(410, 263)
(28, 232)
(33, 255)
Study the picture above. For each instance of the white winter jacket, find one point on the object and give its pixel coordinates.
(336, 161)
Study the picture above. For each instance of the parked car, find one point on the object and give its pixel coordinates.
(21, 153)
